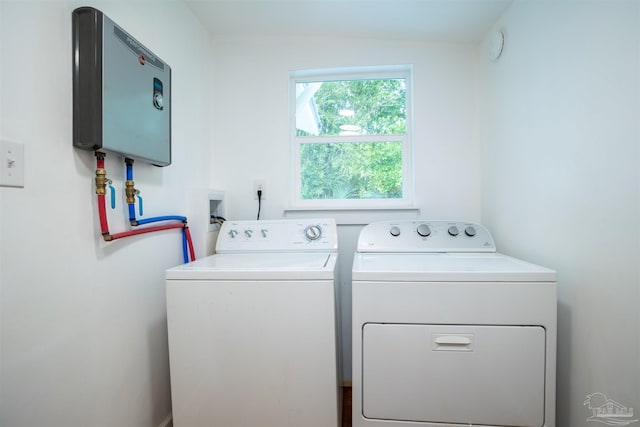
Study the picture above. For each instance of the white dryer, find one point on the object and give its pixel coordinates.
(252, 329)
(447, 332)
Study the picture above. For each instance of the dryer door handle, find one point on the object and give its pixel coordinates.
(449, 342)
(452, 340)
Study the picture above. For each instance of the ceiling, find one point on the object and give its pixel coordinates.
(459, 21)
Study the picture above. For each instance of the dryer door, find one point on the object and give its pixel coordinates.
(464, 374)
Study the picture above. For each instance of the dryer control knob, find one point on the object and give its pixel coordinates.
(395, 231)
(424, 230)
(248, 232)
(313, 232)
(233, 233)
(470, 231)
(453, 231)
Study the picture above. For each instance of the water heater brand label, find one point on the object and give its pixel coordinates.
(137, 49)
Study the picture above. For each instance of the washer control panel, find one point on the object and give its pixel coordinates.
(306, 235)
(425, 236)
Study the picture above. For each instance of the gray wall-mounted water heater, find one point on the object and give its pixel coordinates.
(121, 91)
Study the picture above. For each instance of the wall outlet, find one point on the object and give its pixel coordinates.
(11, 164)
(258, 184)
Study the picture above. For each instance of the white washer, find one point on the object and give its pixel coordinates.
(252, 329)
(447, 332)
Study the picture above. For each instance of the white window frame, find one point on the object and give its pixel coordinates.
(361, 73)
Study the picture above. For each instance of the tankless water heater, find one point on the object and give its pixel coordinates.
(121, 91)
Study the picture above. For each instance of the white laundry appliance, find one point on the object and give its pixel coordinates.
(253, 330)
(447, 332)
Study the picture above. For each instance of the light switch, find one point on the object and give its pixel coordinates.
(11, 164)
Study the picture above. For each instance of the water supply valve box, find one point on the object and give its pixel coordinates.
(121, 91)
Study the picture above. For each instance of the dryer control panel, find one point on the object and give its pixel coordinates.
(299, 235)
(425, 236)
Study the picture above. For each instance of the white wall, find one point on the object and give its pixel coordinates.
(561, 183)
(83, 323)
(251, 137)
(250, 117)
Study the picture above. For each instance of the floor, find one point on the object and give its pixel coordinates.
(346, 407)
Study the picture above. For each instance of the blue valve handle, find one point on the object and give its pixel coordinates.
(140, 205)
(112, 190)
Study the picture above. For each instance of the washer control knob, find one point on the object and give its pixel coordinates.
(395, 231)
(233, 233)
(453, 231)
(424, 230)
(313, 232)
(264, 232)
(248, 232)
(470, 231)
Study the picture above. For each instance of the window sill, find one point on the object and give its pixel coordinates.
(355, 216)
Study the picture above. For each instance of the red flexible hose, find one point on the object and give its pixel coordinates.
(145, 230)
(102, 212)
(192, 253)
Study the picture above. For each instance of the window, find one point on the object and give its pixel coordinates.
(350, 137)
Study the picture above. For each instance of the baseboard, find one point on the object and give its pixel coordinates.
(167, 422)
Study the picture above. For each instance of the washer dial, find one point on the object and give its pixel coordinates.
(313, 232)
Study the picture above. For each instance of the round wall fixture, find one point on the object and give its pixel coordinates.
(496, 45)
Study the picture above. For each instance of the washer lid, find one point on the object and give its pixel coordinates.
(257, 266)
(447, 267)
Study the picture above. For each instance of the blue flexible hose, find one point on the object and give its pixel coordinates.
(162, 218)
(185, 252)
(132, 212)
(132, 208)
(132, 217)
